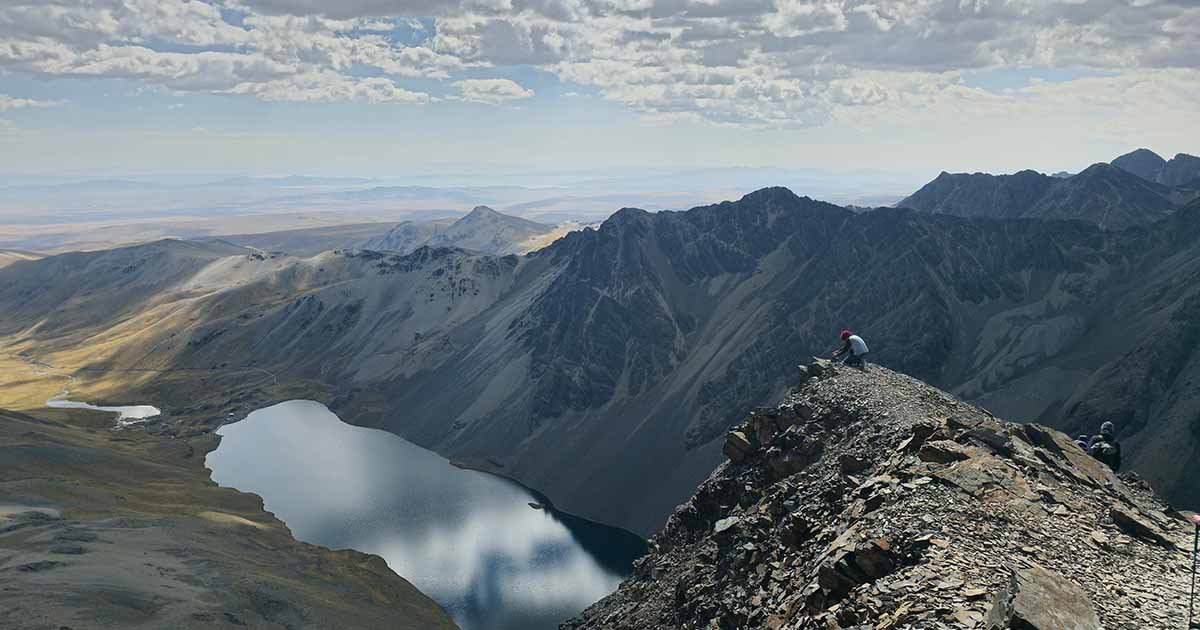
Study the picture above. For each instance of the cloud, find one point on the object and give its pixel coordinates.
(330, 86)
(191, 46)
(758, 63)
(8, 102)
(491, 91)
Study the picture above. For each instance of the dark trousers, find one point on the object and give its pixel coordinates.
(856, 360)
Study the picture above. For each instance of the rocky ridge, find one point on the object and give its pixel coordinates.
(1103, 194)
(871, 500)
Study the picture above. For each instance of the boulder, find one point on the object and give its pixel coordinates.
(980, 476)
(876, 559)
(1138, 527)
(851, 464)
(795, 531)
(1040, 599)
(737, 446)
(920, 433)
(764, 427)
(804, 411)
(846, 568)
(804, 373)
(819, 366)
(1082, 467)
(943, 452)
(725, 524)
(786, 463)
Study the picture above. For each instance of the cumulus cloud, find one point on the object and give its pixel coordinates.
(491, 91)
(192, 46)
(763, 63)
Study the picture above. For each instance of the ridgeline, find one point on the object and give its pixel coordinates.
(871, 500)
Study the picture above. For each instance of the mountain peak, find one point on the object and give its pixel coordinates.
(481, 212)
(1100, 168)
(1142, 153)
(772, 195)
(1143, 162)
(869, 495)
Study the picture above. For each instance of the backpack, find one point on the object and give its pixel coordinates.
(1103, 451)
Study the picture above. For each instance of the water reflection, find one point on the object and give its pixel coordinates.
(469, 540)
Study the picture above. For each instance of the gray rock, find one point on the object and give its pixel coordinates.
(1138, 527)
(849, 463)
(724, 524)
(943, 452)
(737, 446)
(786, 463)
(1040, 599)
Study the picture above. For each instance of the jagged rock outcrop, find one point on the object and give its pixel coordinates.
(902, 507)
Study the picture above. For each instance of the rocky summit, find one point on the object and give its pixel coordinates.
(868, 499)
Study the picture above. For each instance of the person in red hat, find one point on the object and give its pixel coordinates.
(853, 350)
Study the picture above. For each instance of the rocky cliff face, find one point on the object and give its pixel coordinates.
(868, 499)
(1102, 194)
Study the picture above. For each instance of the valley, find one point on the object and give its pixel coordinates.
(599, 314)
(638, 342)
(605, 368)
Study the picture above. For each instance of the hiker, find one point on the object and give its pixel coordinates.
(852, 351)
(1105, 446)
(1082, 442)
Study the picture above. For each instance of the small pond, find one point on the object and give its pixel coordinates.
(126, 415)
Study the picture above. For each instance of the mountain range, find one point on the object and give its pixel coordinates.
(1135, 189)
(605, 369)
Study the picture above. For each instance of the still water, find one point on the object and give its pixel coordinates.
(126, 415)
(469, 540)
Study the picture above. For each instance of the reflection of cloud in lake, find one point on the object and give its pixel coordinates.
(295, 458)
(510, 556)
(467, 539)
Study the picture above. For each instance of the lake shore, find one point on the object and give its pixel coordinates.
(139, 509)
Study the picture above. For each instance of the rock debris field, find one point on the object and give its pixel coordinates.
(871, 500)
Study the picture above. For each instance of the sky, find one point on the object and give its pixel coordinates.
(389, 87)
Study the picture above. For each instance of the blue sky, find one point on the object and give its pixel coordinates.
(376, 88)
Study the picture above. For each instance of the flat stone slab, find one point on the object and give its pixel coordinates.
(1040, 599)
